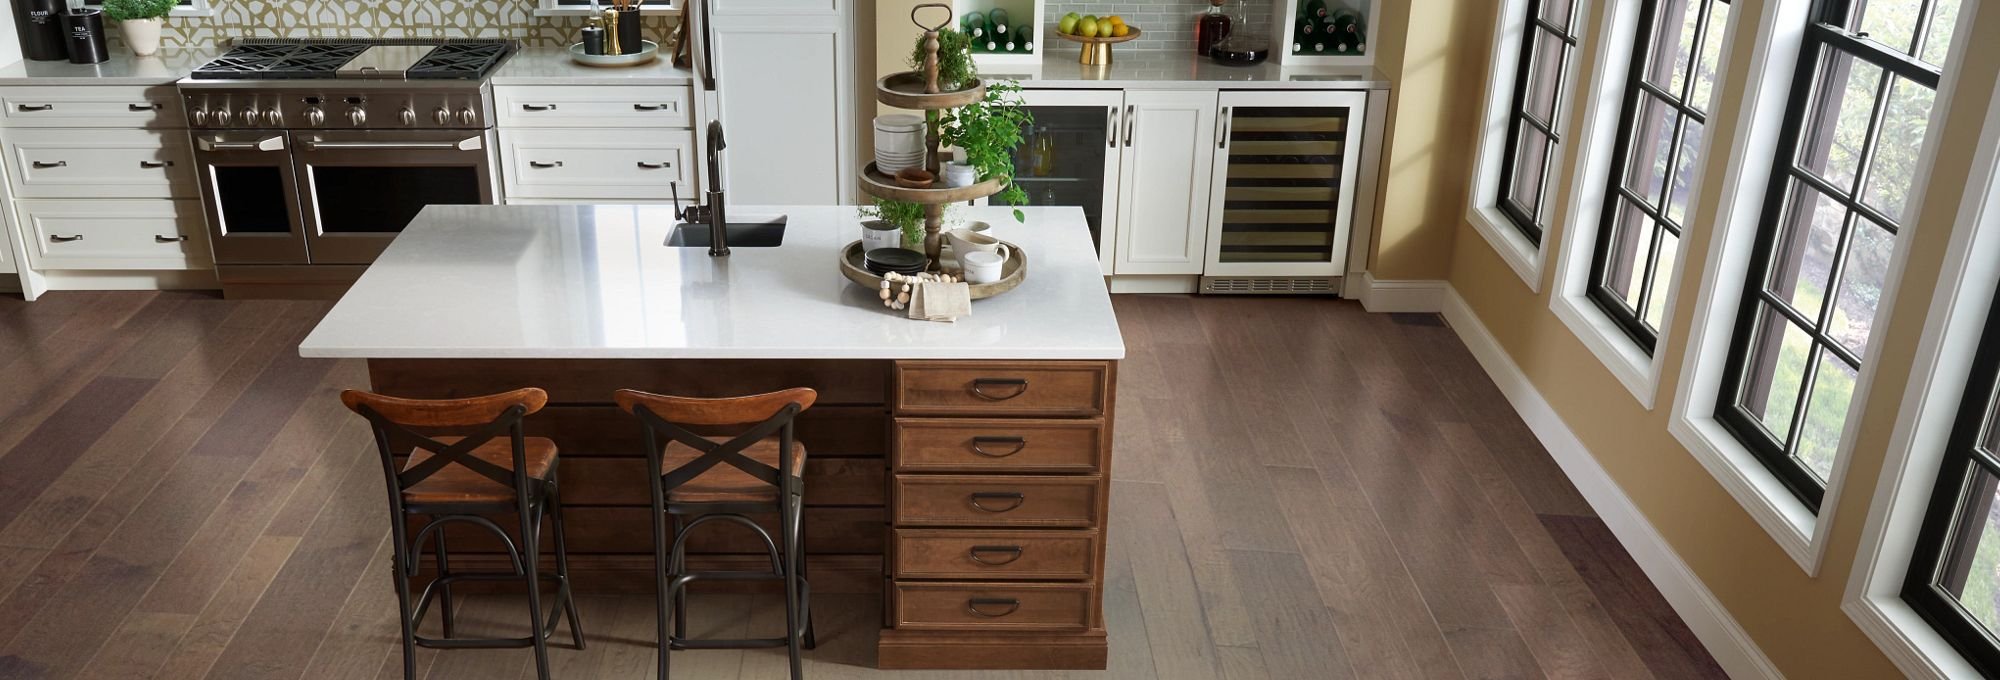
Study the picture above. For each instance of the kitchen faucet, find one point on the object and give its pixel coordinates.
(712, 213)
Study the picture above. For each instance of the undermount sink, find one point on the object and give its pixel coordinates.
(757, 233)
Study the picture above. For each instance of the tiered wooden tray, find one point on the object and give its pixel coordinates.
(1012, 273)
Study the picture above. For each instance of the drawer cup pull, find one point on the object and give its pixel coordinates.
(1017, 497)
(539, 164)
(538, 107)
(142, 107)
(156, 164)
(47, 164)
(649, 107)
(157, 238)
(651, 166)
(57, 238)
(979, 386)
(34, 107)
(979, 445)
(973, 606)
(1013, 552)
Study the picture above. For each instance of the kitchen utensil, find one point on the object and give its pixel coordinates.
(958, 174)
(966, 241)
(877, 234)
(644, 55)
(981, 266)
(914, 178)
(894, 259)
(39, 25)
(85, 28)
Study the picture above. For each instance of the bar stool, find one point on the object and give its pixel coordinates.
(698, 479)
(490, 469)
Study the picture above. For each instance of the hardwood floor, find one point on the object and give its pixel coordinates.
(1301, 490)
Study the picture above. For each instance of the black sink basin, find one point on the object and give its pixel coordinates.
(757, 234)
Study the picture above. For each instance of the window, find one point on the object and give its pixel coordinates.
(1532, 136)
(182, 8)
(1860, 102)
(580, 7)
(1656, 157)
(1954, 576)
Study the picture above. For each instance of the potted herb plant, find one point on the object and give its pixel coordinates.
(955, 67)
(907, 216)
(140, 21)
(989, 130)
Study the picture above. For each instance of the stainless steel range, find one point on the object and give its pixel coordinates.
(319, 152)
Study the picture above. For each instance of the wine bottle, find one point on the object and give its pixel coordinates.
(1315, 9)
(1011, 43)
(975, 25)
(998, 19)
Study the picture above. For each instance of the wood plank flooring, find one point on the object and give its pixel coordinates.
(1302, 490)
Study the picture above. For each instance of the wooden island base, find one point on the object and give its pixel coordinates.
(971, 494)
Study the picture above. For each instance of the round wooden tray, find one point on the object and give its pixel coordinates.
(884, 186)
(1011, 273)
(906, 91)
(1096, 40)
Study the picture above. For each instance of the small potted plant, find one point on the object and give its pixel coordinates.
(907, 216)
(139, 21)
(989, 130)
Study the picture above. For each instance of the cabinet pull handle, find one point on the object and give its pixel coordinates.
(142, 107)
(538, 107)
(156, 164)
(1111, 127)
(1131, 123)
(651, 166)
(539, 164)
(34, 107)
(47, 164)
(979, 445)
(651, 107)
(1222, 134)
(1020, 386)
(177, 238)
(1014, 552)
(1015, 496)
(973, 605)
(57, 238)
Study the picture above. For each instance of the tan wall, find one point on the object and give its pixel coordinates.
(1795, 619)
(1435, 54)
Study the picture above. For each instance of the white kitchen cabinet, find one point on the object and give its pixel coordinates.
(596, 164)
(574, 106)
(100, 163)
(783, 82)
(1282, 193)
(109, 106)
(1164, 183)
(1081, 161)
(113, 234)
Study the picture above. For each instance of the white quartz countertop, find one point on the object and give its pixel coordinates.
(1176, 69)
(552, 66)
(121, 69)
(598, 281)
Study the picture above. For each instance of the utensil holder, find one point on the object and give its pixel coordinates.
(629, 29)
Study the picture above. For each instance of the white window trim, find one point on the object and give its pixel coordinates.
(1482, 211)
(550, 8)
(1952, 332)
(194, 8)
(1788, 520)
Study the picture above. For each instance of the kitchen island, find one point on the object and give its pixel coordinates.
(916, 421)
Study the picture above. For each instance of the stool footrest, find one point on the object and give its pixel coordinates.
(730, 576)
(741, 643)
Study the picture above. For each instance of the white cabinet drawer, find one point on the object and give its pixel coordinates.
(571, 106)
(115, 106)
(101, 163)
(610, 163)
(125, 234)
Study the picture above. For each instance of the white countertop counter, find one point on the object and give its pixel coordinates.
(552, 66)
(1176, 69)
(598, 281)
(121, 69)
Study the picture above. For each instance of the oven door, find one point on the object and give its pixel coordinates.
(359, 188)
(249, 192)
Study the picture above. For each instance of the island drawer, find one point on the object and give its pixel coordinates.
(118, 234)
(995, 501)
(94, 106)
(972, 554)
(101, 164)
(1026, 607)
(572, 106)
(1002, 388)
(595, 164)
(999, 445)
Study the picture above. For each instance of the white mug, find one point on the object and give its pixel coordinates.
(965, 241)
(980, 266)
(876, 234)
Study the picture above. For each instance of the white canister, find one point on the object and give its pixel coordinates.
(980, 266)
(877, 234)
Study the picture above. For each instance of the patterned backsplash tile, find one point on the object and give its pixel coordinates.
(382, 19)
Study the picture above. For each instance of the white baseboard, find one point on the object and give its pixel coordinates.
(1718, 631)
(1157, 284)
(194, 279)
(1393, 295)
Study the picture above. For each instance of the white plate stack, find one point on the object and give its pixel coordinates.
(899, 142)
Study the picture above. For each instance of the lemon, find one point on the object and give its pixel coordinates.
(1104, 29)
(1116, 20)
(1120, 30)
(1086, 27)
(1068, 24)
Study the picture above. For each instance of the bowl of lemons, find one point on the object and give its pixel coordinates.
(1097, 34)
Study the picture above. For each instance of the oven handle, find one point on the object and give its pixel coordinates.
(266, 144)
(467, 144)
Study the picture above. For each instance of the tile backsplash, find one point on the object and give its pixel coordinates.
(1168, 24)
(381, 19)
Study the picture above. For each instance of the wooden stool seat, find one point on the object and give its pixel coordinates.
(725, 483)
(460, 484)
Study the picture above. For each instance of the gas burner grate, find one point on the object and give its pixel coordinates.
(469, 60)
(266, 61)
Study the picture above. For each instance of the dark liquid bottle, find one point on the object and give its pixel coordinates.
(1210, 28)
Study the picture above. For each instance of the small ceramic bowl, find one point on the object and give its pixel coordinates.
(914, 178)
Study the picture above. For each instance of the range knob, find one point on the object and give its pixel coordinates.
(249, 116)
(315, 116)
(222, 117)
(198, 116)
(408, 116)
(468, 117)
(274, 117)
(357, 116)
(442, 116)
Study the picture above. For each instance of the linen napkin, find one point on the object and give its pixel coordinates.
(934, 301)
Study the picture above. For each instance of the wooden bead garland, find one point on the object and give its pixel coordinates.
(897, 297)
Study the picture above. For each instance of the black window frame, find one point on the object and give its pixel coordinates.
(1527, 220)
(1943, 528)
(1826, 30)
(1630, 320)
